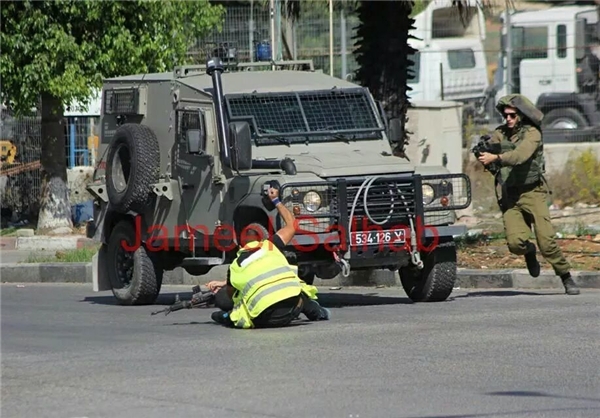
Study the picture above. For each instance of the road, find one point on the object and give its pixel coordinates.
(68, 352)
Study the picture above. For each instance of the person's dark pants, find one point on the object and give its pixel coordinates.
(280, 314)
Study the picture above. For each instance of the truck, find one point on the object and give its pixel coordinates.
(547, 50)
(450, 62)
(186, 157)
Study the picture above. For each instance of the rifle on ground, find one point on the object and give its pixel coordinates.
(199, 299)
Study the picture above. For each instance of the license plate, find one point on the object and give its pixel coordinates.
(392, 237)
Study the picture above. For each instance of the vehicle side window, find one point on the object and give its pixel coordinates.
(461, 59)
(530, 42)
(561, 41)
(191, 119)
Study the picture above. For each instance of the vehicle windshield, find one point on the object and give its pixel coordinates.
(315, 116)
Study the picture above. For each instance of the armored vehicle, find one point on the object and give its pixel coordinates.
(187, 156)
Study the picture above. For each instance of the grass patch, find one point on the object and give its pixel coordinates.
(80, 255)
(7, 231)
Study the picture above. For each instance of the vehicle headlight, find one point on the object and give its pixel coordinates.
(428, 194)
(312, 201)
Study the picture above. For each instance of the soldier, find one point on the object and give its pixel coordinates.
(523, 201)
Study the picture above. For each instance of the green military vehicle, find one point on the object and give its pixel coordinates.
(187, 156)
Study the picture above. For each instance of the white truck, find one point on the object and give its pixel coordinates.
(547, 50)
(450, 62)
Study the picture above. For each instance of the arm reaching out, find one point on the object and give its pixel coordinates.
(289, 230)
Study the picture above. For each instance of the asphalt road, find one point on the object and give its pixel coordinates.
(68, 352)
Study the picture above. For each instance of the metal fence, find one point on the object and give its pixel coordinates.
(248, 36)
(20, 175)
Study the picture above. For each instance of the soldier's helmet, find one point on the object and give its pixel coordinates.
(523, 105)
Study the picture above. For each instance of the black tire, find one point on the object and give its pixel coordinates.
(435, 282)
(307, 275)
(135, 277)
(132, 167)
(568, 115)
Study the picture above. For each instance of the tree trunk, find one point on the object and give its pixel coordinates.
(382, 57)
(55, 208)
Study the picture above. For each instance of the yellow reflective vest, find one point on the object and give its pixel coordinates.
(263, 279)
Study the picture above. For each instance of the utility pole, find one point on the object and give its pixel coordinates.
(272, 34)
(331, 37)
(509, 50)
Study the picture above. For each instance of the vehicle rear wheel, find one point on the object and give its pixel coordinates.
(567, 118)
(435, 282)
(135, 276)
(132, 167)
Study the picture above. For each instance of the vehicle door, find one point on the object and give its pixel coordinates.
(533, 63)
(197, 169)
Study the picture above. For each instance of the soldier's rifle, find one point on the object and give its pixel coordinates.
(199, 299)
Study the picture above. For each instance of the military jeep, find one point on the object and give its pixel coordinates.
(187, 156)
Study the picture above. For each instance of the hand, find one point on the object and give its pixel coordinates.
(273, 193)
(487, 158)
(215, 285)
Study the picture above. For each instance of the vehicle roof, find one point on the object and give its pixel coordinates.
(250, 81)
(560, 13)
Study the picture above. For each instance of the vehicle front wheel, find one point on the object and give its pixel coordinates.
(135, 277)
(435, 282)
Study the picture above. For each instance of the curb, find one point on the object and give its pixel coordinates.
(467, 278)
(41, 243)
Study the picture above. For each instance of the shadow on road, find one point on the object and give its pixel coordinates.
(340, 300)
(523, 412)
(540, 395)
(328, 300)
(497, 293)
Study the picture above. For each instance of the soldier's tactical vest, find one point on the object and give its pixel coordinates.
(528, 173)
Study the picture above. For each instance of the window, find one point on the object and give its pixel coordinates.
(561, 41)
(530, 42)
(414, 68)
(190, 119)
(460, 59)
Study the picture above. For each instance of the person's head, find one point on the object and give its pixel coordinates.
(511, 115)
(251, 234)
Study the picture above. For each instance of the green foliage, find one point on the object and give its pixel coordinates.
(579, 181)
(65, 47)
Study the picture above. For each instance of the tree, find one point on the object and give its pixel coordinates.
(61, 50)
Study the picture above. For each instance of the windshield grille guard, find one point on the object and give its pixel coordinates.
(352, 107)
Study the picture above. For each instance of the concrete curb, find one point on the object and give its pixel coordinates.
(467, 278)
(41, 243)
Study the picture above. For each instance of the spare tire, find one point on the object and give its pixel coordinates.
(132, 167)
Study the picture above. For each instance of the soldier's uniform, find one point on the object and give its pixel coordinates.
(523, 201)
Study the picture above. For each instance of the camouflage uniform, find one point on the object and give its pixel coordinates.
(524, 190)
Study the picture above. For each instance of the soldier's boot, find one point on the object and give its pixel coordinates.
(532, 263)
(570, 286)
